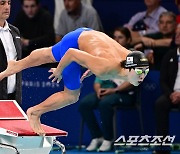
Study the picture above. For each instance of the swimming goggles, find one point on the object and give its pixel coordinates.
(141, 71)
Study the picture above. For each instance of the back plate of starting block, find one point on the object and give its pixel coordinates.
(10, 109)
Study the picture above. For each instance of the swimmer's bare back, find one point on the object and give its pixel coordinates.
(99, 44)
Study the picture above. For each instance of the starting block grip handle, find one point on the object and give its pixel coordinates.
(60, 145)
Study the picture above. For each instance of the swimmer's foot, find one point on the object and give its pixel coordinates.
(34, 120)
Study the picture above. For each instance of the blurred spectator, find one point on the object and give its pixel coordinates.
(170, 85)
(77, 14)
(10, 49)
(158, 44)
(59, 6)
(178, 16)
(146, 22)
(107, 94)
(35, 25)
(123, 36)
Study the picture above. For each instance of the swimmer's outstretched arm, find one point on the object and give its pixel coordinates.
(37, 57)
(96, 65)
(82, 58)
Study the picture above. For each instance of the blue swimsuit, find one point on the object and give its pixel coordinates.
(71, 74)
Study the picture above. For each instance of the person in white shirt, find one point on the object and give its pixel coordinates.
(10, 49)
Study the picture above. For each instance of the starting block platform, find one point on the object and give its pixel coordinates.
(17, 137)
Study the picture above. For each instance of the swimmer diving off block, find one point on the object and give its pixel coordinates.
(94, 50)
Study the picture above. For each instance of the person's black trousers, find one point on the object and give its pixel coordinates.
(105, 105)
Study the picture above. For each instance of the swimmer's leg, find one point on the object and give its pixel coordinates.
(37, 57)
(54, 102)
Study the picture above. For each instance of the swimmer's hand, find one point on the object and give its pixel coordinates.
(55, 75)
(85, 75)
